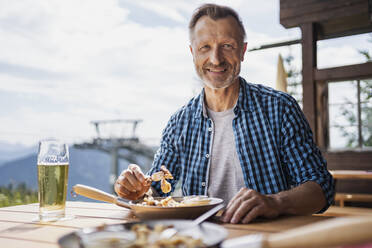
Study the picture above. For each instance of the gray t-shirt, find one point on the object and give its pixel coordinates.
(225, 173)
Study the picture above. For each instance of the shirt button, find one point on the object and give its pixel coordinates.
(210, 129)
(203, 184)
(207, 155)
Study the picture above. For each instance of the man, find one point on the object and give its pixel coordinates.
(245, 143)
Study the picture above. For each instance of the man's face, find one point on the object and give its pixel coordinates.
(217, 50)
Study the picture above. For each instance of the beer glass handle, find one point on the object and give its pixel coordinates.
(96, 194)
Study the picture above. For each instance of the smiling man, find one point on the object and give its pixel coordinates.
(245, 143)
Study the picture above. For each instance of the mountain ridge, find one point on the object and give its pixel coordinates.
(87, 166)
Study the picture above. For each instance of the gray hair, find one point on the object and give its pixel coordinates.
(215, 12)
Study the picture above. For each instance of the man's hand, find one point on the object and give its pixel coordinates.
(132, 183)
(248, 204)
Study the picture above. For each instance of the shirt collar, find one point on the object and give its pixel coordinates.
(245, 98)
(243, 103)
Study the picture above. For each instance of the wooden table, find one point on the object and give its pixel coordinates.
(351, 174)
(17, 229)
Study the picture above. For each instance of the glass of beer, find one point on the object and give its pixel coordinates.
(52, 167)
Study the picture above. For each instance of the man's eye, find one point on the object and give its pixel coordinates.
(204, 48)
(227, 46)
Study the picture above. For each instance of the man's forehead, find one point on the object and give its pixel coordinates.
(227, 26)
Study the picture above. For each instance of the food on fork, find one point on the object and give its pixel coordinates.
(162, 175)
(166, 187)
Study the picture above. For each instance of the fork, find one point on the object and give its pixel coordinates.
(170, 232)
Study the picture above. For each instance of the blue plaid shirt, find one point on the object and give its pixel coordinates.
(273, 140)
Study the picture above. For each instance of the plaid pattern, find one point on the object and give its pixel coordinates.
(273, 139)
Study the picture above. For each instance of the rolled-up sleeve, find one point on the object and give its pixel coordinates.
(302, 158)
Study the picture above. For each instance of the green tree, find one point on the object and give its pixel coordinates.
(365, 87)
(294, 78)
(16, 195)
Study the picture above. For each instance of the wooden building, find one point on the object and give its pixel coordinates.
(320, 20)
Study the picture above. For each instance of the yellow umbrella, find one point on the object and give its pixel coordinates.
(281, 76)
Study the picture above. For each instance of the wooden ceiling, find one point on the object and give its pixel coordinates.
(333, 18)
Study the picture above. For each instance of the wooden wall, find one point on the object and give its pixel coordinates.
(324, 19)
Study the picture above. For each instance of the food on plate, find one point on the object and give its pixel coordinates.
(162, 175)
(151, 237)
(139, 235)
(170, 202)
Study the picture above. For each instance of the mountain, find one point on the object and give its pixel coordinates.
(10, 152)
(89, 167)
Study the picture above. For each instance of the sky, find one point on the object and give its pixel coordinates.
(66, 63)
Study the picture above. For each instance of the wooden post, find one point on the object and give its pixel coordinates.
(308, 79)
(322, 115)
(360, 137)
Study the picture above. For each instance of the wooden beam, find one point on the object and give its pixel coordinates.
(334, 18)
(311, 8)
(308, 79)
(342, 73)
(348, 25)
(349, 160)
(304, 11)
(278, 44)
(306, 3)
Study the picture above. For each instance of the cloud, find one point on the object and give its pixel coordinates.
(66, 63)
(28, 72)
(167, 9)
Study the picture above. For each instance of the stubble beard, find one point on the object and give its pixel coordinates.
(219, 85)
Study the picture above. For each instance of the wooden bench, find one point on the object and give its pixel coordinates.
(341, 198)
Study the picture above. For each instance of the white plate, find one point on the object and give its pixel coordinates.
(211, 234)
(185, 212)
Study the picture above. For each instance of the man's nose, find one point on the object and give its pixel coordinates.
(216, 57)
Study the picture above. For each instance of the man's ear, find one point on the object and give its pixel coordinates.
(191, 49)
(244, 50)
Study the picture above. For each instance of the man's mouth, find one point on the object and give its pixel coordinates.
(216, 70)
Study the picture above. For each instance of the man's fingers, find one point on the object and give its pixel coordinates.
(253, 214)
(123, 181)
(136, 171)
(137, 185)
(124, 193)
(121, 191)
(241, 192)
(229, 211)
(133, 181)
(128, 185)
(120, 180)
(240, 205)
(243, 209)
(139, 175)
